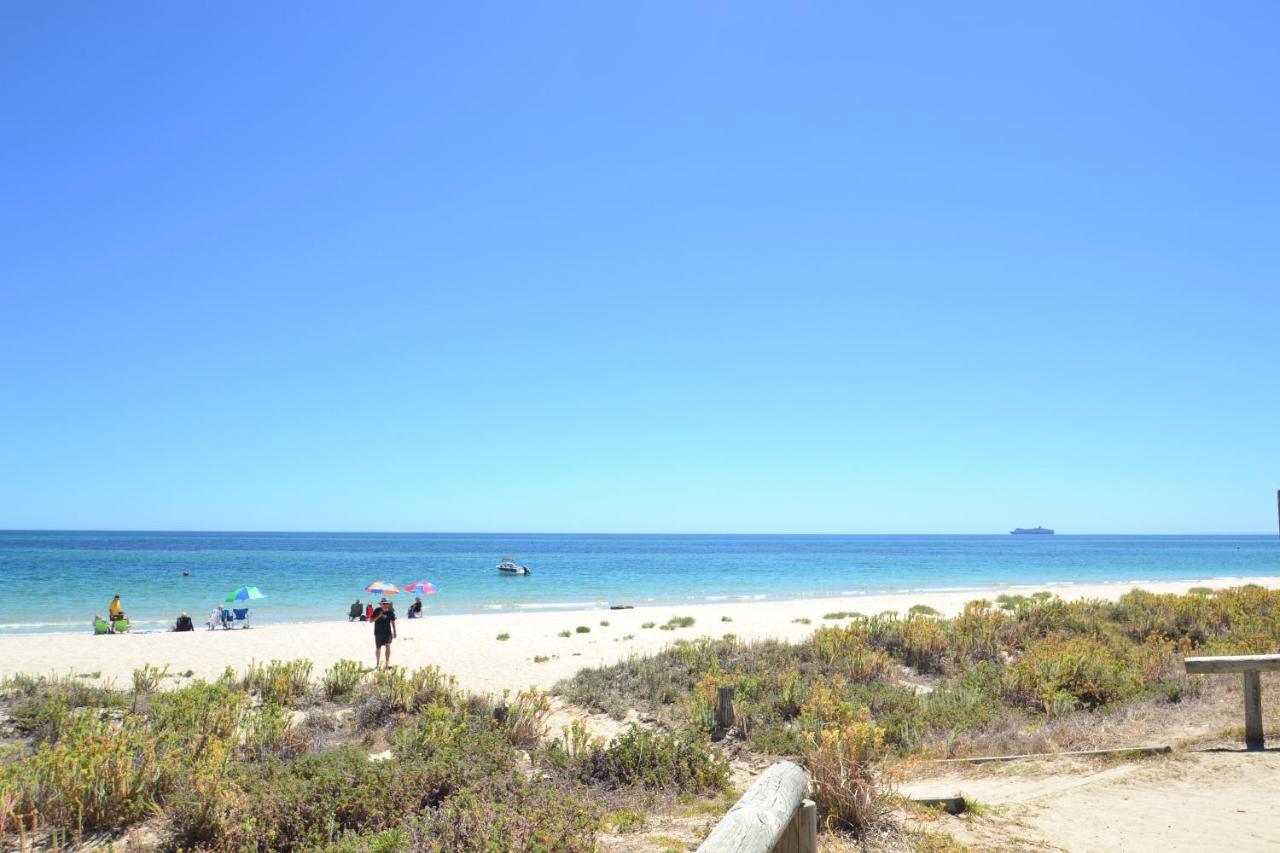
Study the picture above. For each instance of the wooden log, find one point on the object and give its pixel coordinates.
(801, 834)
(1135, 750)
(1253, 738)
(1232, 663)
(758, 820)
(724, 708)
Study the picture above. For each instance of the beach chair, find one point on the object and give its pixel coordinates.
(101, 626)
(122, 626)
(241, 617)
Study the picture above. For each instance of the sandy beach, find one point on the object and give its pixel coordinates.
(467, 645)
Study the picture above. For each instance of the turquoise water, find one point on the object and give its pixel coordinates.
(58, 580)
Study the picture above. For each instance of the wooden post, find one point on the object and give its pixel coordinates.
(1251, 666)
(801, 835)
(724, 708)
(765, 813)
(1253, 710)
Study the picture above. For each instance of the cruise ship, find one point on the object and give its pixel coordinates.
(1037, 530)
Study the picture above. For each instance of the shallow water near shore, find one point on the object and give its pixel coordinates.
(59, 580)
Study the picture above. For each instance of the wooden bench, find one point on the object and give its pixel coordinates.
(1251, 666)
(773, 815)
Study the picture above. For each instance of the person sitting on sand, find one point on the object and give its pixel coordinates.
(384, 631)
(356, 614)
(184, 623)
(215, 618)
(415, 609)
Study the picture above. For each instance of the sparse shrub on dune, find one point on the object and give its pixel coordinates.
(1061, 675)
(282, 682)
(840, 761)
(669, 762)
(341, 679)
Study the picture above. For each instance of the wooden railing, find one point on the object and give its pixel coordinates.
(773, 816)
(1251, 666)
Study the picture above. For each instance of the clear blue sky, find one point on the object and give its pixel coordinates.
(784, 267)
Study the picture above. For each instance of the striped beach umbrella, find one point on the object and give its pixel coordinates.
(423, 587)
(382, 588)
(246, 593)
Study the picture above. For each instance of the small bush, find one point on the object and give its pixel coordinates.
(923, 610)
(582, 629)
(565, 634)
(540, 658)
(342, 678)
(503, 637)
(1060, 675)
(604, 623)
(648, 624)
(281, 682)
(840, 764)
(657, 761)
(679, 622)
(726, 618)
(802, 620)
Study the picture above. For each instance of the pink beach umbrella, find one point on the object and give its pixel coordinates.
(423, 587)
(382, 588)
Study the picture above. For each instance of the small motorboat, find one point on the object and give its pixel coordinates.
(511, 567)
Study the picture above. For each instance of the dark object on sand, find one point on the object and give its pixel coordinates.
(621, 607)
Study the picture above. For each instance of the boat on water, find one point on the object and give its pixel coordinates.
(511, 567)
(1041, 531)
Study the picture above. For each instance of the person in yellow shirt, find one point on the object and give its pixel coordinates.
(114, 609)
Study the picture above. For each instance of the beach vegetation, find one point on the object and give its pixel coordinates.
(1021, 673)
(582, 629)
(841, 614)
(282, 682)
(923, 610)
(540, 658)
(503, 637)
(726, 618)
(604, 623)
(565, 634)
(225, 766)
(801, 620)
(341, 679)
(648, 624)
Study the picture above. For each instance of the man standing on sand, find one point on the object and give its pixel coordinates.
(384, 631)
(114, 612)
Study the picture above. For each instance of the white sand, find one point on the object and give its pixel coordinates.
(466, 645)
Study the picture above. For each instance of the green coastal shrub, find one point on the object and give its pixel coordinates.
(341, 679)
(656, 761)
(1060, 675)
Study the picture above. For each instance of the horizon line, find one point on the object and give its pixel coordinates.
(590, 532)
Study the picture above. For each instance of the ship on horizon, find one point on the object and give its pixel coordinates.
(1044, 531)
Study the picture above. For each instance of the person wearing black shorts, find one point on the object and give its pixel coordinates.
(384, 631)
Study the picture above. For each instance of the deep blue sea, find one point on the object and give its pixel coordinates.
(56, 581)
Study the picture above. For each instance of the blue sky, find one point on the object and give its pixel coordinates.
(811, 267)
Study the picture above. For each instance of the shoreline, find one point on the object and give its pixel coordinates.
(152, 626)
(466, 645)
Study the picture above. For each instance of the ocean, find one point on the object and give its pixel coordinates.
(57, 581)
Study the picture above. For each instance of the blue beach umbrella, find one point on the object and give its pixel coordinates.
(246, 593)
